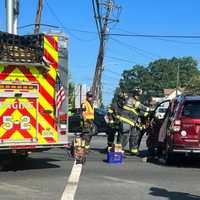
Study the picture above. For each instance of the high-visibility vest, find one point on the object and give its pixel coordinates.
(88, 113)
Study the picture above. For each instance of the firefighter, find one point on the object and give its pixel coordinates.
(124, 116)
(112, 128)
(87, 115)
(140, 113)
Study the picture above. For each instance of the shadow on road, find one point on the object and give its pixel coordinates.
(28, 164)
(180, 161)
(172, 195)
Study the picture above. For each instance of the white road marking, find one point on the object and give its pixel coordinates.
(72, 184)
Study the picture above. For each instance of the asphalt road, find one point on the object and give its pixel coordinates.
(45, 175)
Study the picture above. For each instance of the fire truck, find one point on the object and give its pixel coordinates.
(28, 77)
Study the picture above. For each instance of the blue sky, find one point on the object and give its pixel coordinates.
(138, 16)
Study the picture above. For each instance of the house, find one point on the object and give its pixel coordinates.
(171, 93)
(168, 95)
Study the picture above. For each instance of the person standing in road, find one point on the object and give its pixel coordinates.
(123, 114)
(112, 128)
(87, 115)
(139, 112)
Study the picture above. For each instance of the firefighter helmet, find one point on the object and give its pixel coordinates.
(136, 92)
(89, 94)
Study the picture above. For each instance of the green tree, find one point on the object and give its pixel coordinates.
(161, 74)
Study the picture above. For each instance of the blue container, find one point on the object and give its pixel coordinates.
(115, 157)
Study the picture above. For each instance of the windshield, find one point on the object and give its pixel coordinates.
(192, 109)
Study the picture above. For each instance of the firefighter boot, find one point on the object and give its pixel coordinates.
(134, 151)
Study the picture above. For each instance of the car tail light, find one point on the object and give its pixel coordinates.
(176, 125)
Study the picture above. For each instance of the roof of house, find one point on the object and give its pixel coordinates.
(168, 91)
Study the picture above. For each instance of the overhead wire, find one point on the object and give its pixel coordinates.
(155, 36)
(63, 26)
(95, 17)
(139, 51)
(161, 39)
(121, 59)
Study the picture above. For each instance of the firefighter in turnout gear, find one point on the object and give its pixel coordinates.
(124, 118)
(128, 110)
(87, 115)
(112, 128)
(140, 113)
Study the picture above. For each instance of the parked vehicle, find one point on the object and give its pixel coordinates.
(182, 128)
(75, 121)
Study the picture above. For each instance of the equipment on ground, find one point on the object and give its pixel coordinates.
(115, 154)
(78, 149)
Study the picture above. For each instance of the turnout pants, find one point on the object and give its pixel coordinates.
(136, 137)
(124, 133)
(130, 134)
(89, 130)
(111, 132)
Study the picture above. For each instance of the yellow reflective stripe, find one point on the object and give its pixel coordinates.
(43, 81)
(130, 109)
(110, 111)
(51, 50)
(125, 120)
(146, 114)
(137, 104)
(17, 74)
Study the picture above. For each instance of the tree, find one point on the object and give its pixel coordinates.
(161, 74)
(71, 95)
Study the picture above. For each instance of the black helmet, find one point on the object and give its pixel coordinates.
(136, 92)
(89, 94)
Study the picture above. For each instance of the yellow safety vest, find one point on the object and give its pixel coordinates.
(88, 113)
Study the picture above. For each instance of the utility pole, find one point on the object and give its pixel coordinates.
(177, 79)
(38, 17)
(15, 16)
(103, 19)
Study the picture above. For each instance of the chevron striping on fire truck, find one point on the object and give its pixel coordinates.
(28, 73)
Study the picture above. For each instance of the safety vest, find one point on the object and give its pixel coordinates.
(88, 112)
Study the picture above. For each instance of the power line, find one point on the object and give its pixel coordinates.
(54, 26)
(111, 77)
(162, 39)
(139, 51)
(95, 17)
(155, 36)
(62, 25)
(112, 72)
(30, 25)
(121, 59)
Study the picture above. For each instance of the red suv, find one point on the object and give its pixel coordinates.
(179, 130)
(183, 127)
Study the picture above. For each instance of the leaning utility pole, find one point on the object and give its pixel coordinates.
(38, 17)
(103, 19)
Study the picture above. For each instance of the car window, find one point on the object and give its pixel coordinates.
(162, 110)
(191, 109)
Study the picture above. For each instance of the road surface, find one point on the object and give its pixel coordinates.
(44, 176)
